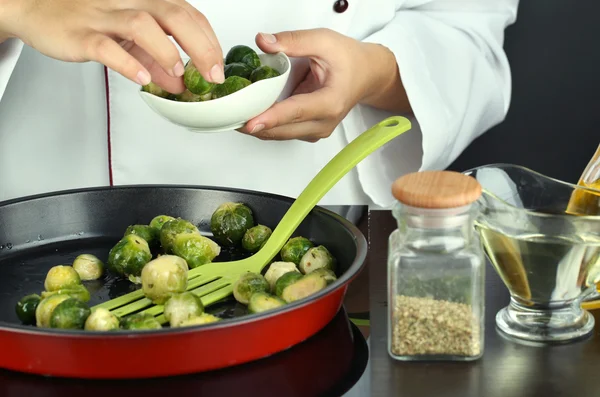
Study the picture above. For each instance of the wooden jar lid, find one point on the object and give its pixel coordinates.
(436, 189)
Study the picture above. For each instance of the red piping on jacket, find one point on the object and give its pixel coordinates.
(110, 173)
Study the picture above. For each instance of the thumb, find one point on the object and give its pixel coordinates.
(297, 43)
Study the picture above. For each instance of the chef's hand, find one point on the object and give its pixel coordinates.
(128, 36)
(343, 72)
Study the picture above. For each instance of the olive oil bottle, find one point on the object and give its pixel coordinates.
(584, 202)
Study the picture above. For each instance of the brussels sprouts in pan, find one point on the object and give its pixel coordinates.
(197, 250)
(171, 229)
(229, 86)
(229, 223)
(26, 308)
(157, 223)
(242, 54)
(285, 280)
(327, 275)
(256, 237)
(262, 302)
(262, 73)
(204, 318)
(140, 321)
(294, 249)
(79, 292)
(61, 276)
(182, 307)
(155, 90)
(303, 287)
(89, 267)
(163, 277)
(44, 310)
(128, 256)
(238, 69)
(248, 284)
(317, 258)
(194, 82)
(70, 314)
(143, 231)
(278, 269)
(101, 320)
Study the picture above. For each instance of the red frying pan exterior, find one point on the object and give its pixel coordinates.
(168, 352)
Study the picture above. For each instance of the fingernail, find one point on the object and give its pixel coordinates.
(217, 75)
(257, 128)
(178, 70)
(269, 38)
(143, 77)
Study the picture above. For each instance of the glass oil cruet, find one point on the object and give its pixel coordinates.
(436, 269)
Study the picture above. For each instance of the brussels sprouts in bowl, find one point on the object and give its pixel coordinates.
(232, 105)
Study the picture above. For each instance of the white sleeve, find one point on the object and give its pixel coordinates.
(457, 78)
(10, 50)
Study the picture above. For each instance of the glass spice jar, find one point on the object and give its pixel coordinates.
(436, 269)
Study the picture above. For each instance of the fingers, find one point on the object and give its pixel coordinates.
(308, 131)
(173, 85)
(298, 43)
(202, 21)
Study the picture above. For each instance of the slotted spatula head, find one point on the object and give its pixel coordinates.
(214, 281)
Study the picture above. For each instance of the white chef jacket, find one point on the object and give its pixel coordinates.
(68, 125)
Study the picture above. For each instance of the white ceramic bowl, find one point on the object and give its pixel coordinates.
(229, 112)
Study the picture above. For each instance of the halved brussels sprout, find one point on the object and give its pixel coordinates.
(163, 277)
(229, 86)
(278, 269)
(238, 69)
(188, 96)
(140, 321)
(262, 302)
(61, 276)
(154, 89)
(171, 229)
(101, 320)
(327, 275)
(262, 73)
(256, 237)
(204, 318)
(243, 54)
(128, 256)
(229, 223)
(143, 231)
(317, 258)
(79, 292)
(197, 250)
(25, 308)
(182, 307)
(303, 287)
(70, 314)
(193, 80)
(248, 284)
(157, 223)
(294, 249)
(44, 310)
(285, 280)
(89, 267)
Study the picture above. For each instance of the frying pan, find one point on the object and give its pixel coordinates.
(42, 231)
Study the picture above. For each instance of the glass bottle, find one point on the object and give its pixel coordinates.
(436, 269)
(587, 202)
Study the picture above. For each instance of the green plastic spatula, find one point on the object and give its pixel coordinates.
(214, 281)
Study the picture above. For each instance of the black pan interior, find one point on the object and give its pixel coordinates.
(39, 232)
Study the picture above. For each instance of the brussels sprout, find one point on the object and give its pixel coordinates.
(285, 280)
(143, 231)
(303, 287)
(171, 229)
(261, 302)
(79, 292)
(242, 54)
(44, 310)
(327, 275)
(188, 96)
(70, 314)
(89, 267)
(229, 86)
(26, 308)
(248, 284)
(238, 69)
(197, 250)
(256, 237)
(229, 223)
(61, 276)
(164, 277)
(204, 318)
(101, 320)
(140, 321)
(154, 89)
(182, 307)
(317, 258)
(294, 249)
(278, 269)
(157, 223)
(128, 256)
(262, 73)
(193, 80)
